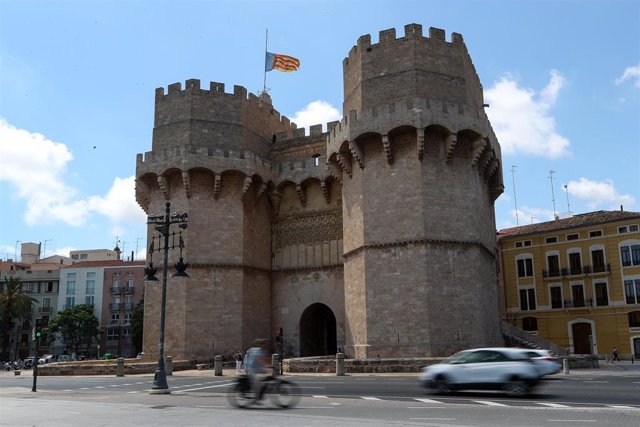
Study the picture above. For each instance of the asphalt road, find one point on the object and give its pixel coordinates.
(199, 398)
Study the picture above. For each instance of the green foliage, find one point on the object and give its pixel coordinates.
(15, 304)
(77, 326)
(137, 323)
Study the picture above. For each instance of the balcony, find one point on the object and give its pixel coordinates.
(578, 303)
(114, 322)
(128, 306)
(44, 310)
(116, 290)
(115, 306)
(576, 271)
(129, 290)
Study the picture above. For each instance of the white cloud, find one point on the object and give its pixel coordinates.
(34, 168)
(598, 195)
(317, 112)
(522, 120)
(630, 73)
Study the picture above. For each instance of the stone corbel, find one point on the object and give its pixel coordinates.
(493, 167)
(495, 191)
(479, 146)
(335, 171)
(142, 192)
(484, 162)
(261, 190)
(276, 198)
(163, 183)
(217, 185)
(186, 181)
(324, 185)
(356, 153)
(420, 144)
(450, 145)
(246, 185)
(344, 163)
(301, 195)
(386, 144)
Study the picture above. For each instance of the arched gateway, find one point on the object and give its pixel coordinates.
(317, 331)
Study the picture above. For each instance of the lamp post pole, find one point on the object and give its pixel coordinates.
(162, 224)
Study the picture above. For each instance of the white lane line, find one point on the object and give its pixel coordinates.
(598, 382)
(114, 385)
(142, 382)
(553, 405)
(67, 390)
(320, 397)
(489, 403)
(99, 386)
(202, 388)
(133, 392)
(622, 407)
(434, 419)
(572, 421)
(221, 406)
(85, 388)
(369, 398)
(429, 401)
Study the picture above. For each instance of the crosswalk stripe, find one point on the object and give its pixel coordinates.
(553, 405)
(489, 403)
(321, 397)
(369, 398)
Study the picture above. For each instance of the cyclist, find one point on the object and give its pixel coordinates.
(257, 368)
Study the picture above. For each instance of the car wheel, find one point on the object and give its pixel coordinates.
(441, 385)
(517, 387)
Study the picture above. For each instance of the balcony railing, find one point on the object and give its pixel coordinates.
(129, 290)
(578, 303)
(115, 290)
(114, 322)
(128, 306)
(114, 306)
(576, 271)
(44, 309)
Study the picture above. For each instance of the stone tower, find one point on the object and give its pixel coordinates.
(420, 174)
(377, 236)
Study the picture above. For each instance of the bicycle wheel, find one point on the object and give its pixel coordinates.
(238, 398)
(285, 394)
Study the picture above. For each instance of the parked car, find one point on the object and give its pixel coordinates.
(546, 361)
(47, 358)
(505, 369)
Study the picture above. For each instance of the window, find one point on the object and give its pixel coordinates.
(633, 228)
(575, 264)
(116, 283)
(553, 264)
(112, 334)
(49, 287)
(115, 319)
(577, 293)
(596, 233)
(71, 288)
(597, 260)
(525, 267)
(632, 291)
(89, 299)
(527, 299)
(527, 242)
(575, 236)
(126, 332)
(70, 302)
(630, 254)
(83, 256)
(74, 256)
(602, 295)
(46, 302)
(634, 319)
(91, 275)
(556, 296)
(518, 244)
(553, 239)
(127, 318)
(530, 324)
(627, 229)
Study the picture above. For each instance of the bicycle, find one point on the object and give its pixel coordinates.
(282, 393)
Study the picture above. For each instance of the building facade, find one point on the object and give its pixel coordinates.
(576, 281)
(376, 236)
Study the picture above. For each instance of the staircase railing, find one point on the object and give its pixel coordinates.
(522, 335)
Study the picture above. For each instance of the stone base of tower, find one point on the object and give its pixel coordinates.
(419, 305)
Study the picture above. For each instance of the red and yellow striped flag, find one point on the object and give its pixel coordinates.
(277, 61)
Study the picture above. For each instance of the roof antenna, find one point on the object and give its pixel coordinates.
(515, 202)
(553, 197)
(566, 189)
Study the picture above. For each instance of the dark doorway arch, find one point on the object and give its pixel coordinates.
(317, 331)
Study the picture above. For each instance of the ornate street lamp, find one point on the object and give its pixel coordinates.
(162, 224)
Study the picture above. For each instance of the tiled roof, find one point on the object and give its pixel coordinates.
(109, 263)
(582, 220)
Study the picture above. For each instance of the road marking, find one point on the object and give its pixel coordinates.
(434, 419)
(572, 421)
(599, 382)
(202, 388)
(489, 403)
(114, 385)
(429, 401)
(553, 405)
(622, 407)
(369, 398)
(100, 386)
(85, 388)
(320, 397)
(133, 392)
(67, 390)
(142, 382)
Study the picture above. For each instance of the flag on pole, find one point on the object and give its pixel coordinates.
(277, 61)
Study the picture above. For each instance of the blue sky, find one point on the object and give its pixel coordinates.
(77, 82)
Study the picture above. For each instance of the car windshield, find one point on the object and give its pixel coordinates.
(457, 357)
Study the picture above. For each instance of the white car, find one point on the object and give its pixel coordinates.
(546, 361)
(506, 369)
(46, 359)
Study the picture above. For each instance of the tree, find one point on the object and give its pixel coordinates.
(14, 304)
(137, 327)
(77, 326)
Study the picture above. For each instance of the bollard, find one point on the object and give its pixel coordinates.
(168, 365)
(340, 364)
(565, 365)
(217, 366)
(120, 367)
(275, 364)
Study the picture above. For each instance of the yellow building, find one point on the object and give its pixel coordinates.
(575, 281)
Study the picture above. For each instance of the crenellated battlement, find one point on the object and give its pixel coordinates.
(411, 32)
(217, 90)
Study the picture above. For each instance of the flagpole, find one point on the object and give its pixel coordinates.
(266, 39)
